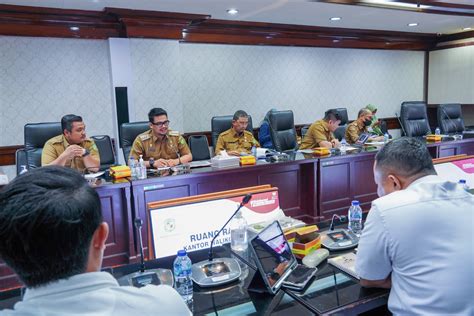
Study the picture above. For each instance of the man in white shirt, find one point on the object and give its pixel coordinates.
(418, 237)
(53, 236)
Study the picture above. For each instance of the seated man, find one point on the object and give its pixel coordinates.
(418, 235)
(237, 139)
(72, 149)
(53, 236)
(320, 133)
(159, 146)
(360, 126)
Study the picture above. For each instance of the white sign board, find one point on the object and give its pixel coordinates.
(456, 170)
(192, 226)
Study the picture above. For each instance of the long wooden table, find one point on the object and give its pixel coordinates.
(310, 188)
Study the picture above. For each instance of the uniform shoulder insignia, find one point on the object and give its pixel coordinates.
(56, 139)
(144, 136)
(225, 132)
(173, 133)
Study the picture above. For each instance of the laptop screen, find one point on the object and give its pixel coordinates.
(273, 255)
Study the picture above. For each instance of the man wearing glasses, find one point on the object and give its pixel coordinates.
(159, 146)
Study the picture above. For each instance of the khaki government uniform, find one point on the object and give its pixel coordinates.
(231, 141)
(317, 132)
(354, 130)
(148, 145)
(55, 146)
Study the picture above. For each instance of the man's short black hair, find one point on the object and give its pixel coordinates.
(67, 120)
(363, 112)
(332, 115)
(406, 156)
(238, 114)
(156, 112)
(47, 219)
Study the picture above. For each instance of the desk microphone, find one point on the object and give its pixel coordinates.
(213, 272)
(451, 121)
(401, 125)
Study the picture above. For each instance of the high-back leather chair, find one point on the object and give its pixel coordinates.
(128, 133)
(199, 147)
(282, 130)
(36, 135)
(414, 118)
(450, 119)
(20, 160)
(106, 151)
(220, 124)
(340, 132)
(304, 130)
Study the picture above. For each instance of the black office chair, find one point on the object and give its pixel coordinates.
(304, 130)
(20, 160)
(106, 151)
(340, 132)
(450, 119)
(128, 133)
(220, 124)
(36, 135)
(282, 130)
(199, 147)
(414, 119)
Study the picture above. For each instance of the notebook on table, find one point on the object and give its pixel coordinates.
(345, 263)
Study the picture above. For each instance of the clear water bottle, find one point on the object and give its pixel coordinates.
(23, 170)
(463, 184)
(142, 168)
(254, 151)
(355, 218)
(182, 276)
(343, 146)
(133, 168)
(437, 131)
(238, 233)
(386, 137)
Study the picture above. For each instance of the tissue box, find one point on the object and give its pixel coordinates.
(225, 161)
(118, 172)
(321, 151)
(433, 138)
(248, 160)
(304, 240)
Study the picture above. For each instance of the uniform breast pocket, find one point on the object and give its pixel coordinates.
(232, 146)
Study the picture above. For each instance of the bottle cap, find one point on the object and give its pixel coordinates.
(355, 203)
(182, 253)
(462, 181)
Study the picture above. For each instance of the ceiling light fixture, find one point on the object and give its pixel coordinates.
(232, 11)
(335, 18)
(74, 28)
(412, 24)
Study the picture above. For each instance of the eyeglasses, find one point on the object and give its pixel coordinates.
(160, 124)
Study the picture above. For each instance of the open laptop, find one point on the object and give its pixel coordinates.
(276, 263)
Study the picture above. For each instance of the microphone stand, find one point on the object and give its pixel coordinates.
(449, 120)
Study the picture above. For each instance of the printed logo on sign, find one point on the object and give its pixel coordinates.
(170, 225)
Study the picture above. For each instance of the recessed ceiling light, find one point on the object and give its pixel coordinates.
(412, 24)
(233, 11)
(74, 28)
(335, 18)
(467, 28)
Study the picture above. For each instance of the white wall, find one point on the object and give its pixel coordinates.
(451, 76)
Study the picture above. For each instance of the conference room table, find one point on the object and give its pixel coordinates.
(311, 188)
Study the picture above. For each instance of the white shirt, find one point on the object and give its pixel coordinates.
(98, 293)
(423, 235)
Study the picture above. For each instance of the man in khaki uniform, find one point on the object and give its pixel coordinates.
(237, 139)
(159, 146)
(72, 149)
(320, 133)
(360, 126)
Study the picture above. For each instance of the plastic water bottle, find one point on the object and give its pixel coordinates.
(463, 184)
(133, 168)
(238, 233)
(182, 276)
(385, 138)
(142, 168)
(437, 131)
(254, 151)
(23, 169)
(355, 218)
(343, 146)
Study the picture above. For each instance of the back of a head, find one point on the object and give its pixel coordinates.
(47, 219)
(156, 112)
(332, 115)
(67, 120)
(406, 157)
(238, 114)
